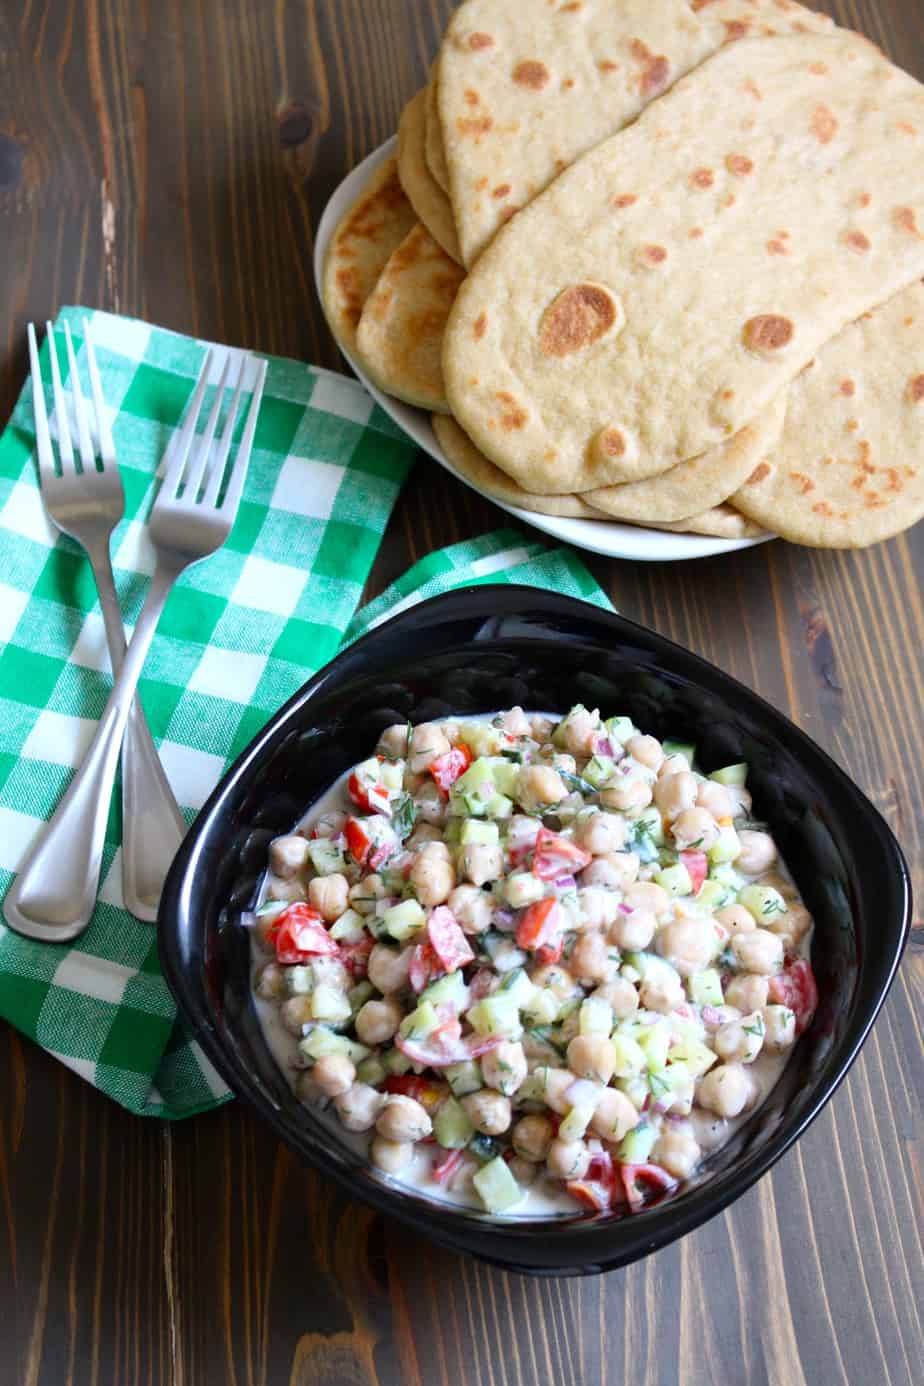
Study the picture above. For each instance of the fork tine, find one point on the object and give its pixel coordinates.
(103, 431)
(241, 462)
(46, 457)
(64, 430)
(204, 444)
(224, 447)
(87, 457)
(174, 473)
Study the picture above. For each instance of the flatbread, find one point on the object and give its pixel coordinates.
(703, 481)
(435, 152)
(849, 470)
(400, 336)
(484, 476)
(526, 88)
(427, 198)
(721, 522)
(360, 247)
(667, 286)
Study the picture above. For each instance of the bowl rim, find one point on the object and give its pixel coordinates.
(583, 1245)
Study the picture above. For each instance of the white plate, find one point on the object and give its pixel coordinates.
(611, 539)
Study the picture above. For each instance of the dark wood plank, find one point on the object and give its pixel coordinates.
(172, 161)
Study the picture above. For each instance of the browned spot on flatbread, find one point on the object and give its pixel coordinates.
(728, 394)
(502, 190)
(695, 232)
(858, 241)
(572, 7)
(508, 212)
(612, 442)
(752, 89)
(729, 200)
(481, 326)
(577, 318)
(567, 84)
(702, 178)
(822, 508)
(803, 482)
(906, 127)
(824, 124)
(852, 425)
(759, 474)
(818, 69)
(531, 74)
(624, 200)
(776, 247)
(475, 126)
(477, 42)
(865, 199)
(768, 332)
(514, 416)
(348, 282)
(697, 5)
(848, 388)
(653, 254)
(916, 389)
(905, 220)
(607, 65)
(739, 164)
(656, 68)
(736, 29)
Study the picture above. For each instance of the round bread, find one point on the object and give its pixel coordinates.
(434, 150)
(721, 522)
(427, 198)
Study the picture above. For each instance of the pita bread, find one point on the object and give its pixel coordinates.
(426, 197)
(433, 139)
(722, 522)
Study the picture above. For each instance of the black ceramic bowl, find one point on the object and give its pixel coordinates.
(479, 650)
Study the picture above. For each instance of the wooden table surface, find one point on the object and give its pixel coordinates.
(172, 160)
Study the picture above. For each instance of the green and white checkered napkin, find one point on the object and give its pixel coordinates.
(240, 634)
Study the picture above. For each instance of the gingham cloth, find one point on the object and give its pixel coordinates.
(325, 471)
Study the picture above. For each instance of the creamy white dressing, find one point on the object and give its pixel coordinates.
(545, 1197)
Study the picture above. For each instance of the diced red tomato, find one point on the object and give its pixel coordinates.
(446, 1166)
(643, 1184)
(591, 1192)
(298, 935)
(550, 953)
(355, 956)
(796, 988)
(429, 1095)
(358, 842)
(423, 967)
(434, 1052)
(556, 856)
(538, 924)
(447, 939)
(601, 1167)
(447, 769)
(358, 793)
(697, 864)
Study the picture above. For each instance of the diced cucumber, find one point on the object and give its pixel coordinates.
(619, 729)
(391, 775)
(517, 987)
(575, 1124)
(596, 1016)
(393, 1061)
(728, 876)
(475, 806)
(545, 1043)
(679, 748)
(696, 1057)
(655, 1043)
(299, 980)
(649, 966)
(473, 831)
(705, 988)
(630, 1057)
(320, 1041)
(484, 1148)
(542, 1006)
(420, 1022)
(499, 807)
(359, 995)
(477, 774)
(448, 991)
(371, 1071)
(271, 908)
(496, 1015)
(675, 880)
(713, 895)
(649, 821)
(404, 920)
(504, 774)
(599, 770)
(367, 771)
(325, 857)
(496, 1186)
(451, 1125)
(638, 1144)
(330, 1003)
(674, 1078)
(482, 738)
(523, 888)
(635, 1088)
(763, 902)
(464, 1078)
(731, 774)
(349, 928)
(726, 847)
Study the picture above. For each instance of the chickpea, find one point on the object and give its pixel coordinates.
(473, 908)
(600, 833)
(740, 1041)
(295, 1014)
(758, 852)
(676, 764)
(596, 908)
(359, 1107)
(674, 794)
(557, 1081)
(645, 895)
(393, 742)
(538, 786)
(741, 800)
(387, 968)
(593, 959)
(504, 1068)
(726, 1090)
(271, 982)
(696, 828)
(758, 951)
(633, 932)
(332, 973)
(603, 872)
(377, 1021)
(515, 722)
(488, 1111)
(621, 995)
(334, 1075)
(432, 875)
(531, 1137)
(403, 1119)
(615, 1115)
(292, 892)
(569, 1027)
(736, 919)
(779, 1029)
(541, 728)
(592, 1056)
(688, 945)
(748, 993)
(557, 979)
(287, 856)
(662, 993)
(431, 806)
(328, 825)
(329, 895)
(715, 799)
(646, 750)
(523, 1171)
(576, 733)
(390, 1156)
(482, 862)
(677, 1150)
(428, 743)
(365, 893)
(423, 834)
(794, 924)
(567, 1159)
(629, 794)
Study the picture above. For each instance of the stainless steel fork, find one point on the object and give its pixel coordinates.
(55, 891)
(87, 504)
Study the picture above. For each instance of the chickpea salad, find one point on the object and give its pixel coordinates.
(533, 963)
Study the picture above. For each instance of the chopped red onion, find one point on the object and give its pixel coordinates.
(505, 921)
(711, 1016)
(625, 909)
(566, 882)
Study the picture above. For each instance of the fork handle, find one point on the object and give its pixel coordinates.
(55, 892)
(152, 824)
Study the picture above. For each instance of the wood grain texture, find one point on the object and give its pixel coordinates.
(172, 160)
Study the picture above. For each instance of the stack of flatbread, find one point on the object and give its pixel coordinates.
(658, 262)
